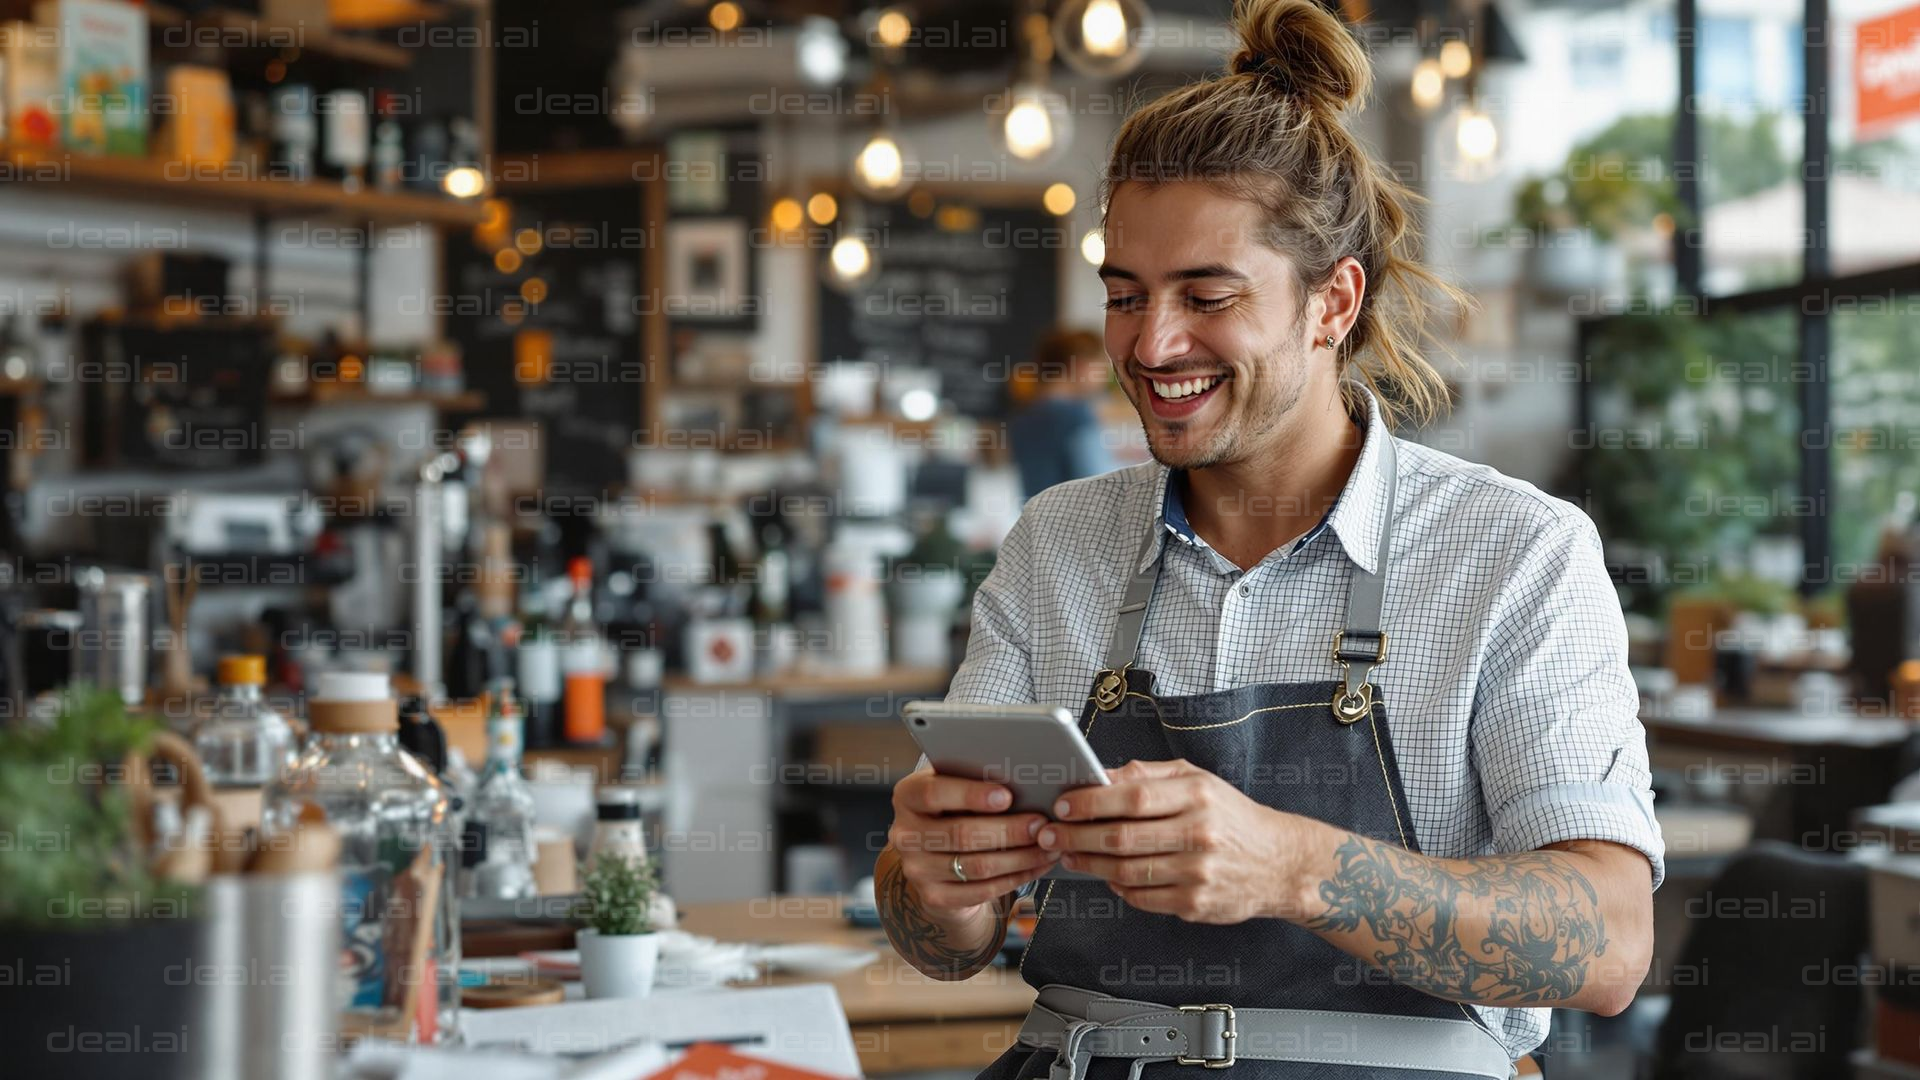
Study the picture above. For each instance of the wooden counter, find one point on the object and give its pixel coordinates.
(901, 1019)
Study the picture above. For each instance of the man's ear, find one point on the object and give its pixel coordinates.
(1339, 302)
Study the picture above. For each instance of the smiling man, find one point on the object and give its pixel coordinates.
(1380, 790)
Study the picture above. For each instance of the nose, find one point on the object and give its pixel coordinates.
(1163, 335)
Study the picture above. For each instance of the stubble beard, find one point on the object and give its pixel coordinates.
(1260, 404)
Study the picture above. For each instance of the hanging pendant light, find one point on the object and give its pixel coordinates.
(1035, 124)
(1102, 38)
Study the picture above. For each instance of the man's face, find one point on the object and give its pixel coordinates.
(1203, 325)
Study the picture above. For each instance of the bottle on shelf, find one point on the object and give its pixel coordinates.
(399, 974)
(295, 132)
(242, 740)
(348, 137)
(583, 659)
(502, 814)
(389, 144)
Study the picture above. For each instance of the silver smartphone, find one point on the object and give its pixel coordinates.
(1037, 751)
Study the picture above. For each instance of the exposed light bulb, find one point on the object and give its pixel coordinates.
(881, 166)
(823, 208)
(1476, 136)
(893, 28)
(1093, 247)
(1455, 59)
(1103, 28)
(464, 182)
(1029, 130)
(1429, 84)
(786, 215)
(724, 16)
(1058, 199)
(851, 258)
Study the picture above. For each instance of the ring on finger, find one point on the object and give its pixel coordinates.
(958, 873)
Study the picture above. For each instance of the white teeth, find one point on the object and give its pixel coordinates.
(1187, 388)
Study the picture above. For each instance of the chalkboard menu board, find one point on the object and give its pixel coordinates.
(967, 291)
(565, 351)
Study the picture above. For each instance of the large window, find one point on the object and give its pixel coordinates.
(1750, 86)
(1787, 450)
(1876, 149)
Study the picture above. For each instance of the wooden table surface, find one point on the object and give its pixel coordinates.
(1779, 730)
(901, 1019)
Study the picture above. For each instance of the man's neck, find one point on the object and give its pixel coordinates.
(1248, 509)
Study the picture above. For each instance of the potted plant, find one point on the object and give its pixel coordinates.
(619, 949)
(100, 942)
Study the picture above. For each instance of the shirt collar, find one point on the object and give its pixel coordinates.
(1356, 517)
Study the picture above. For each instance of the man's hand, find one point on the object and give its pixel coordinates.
(936, 818)
(1175, 839)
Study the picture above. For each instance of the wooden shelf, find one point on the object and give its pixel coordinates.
(225, 187)
(239, 29)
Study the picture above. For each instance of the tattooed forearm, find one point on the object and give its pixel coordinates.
(930, 946)
(1519, 929)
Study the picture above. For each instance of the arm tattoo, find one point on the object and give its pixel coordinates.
(1541, 924)
(917, 938)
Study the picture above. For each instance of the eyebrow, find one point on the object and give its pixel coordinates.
(1191, 273)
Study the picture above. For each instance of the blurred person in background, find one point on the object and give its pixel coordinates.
(1058, 434)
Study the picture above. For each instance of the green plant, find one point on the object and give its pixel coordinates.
(616, 896)
(72, 856)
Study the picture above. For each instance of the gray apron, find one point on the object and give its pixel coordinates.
(1129, 992)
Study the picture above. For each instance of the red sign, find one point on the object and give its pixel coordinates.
(1886, 71)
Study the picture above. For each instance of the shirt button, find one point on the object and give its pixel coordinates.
(1245, 589)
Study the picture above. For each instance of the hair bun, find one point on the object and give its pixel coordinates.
(1302, 49)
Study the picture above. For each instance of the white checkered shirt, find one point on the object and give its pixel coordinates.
(1508, 697)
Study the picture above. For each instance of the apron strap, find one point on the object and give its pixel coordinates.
(1124, 646)
(1362, 644)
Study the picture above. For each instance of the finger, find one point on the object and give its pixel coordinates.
(1137, 871)
(980, 866)
(1152, 770)
(955, 834)
(1121, 837)
(1135, 796)
(951, 794)
(1158, 899)
(956, 894)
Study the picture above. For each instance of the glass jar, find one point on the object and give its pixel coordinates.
(242, 740)
(399, 971)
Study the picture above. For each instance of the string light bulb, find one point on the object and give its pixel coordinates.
(1456, 59)
(850, 260)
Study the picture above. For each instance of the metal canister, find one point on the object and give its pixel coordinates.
(114, 641)
(269, 1010)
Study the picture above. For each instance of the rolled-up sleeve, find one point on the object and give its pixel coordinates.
(998, 669)
(1556, 732)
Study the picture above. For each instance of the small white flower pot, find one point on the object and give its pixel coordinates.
(621, 966)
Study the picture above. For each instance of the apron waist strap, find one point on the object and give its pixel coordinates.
(1080, 1025)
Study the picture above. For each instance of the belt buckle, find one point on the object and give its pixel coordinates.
(1226, 1038)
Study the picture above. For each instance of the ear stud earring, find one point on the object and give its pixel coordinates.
(1329, 341)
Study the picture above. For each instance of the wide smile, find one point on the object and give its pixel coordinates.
(1176, 399)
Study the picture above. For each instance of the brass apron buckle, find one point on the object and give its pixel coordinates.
(1109, 689)
(1349, 708)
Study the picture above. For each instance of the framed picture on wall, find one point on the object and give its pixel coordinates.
(707, 270)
